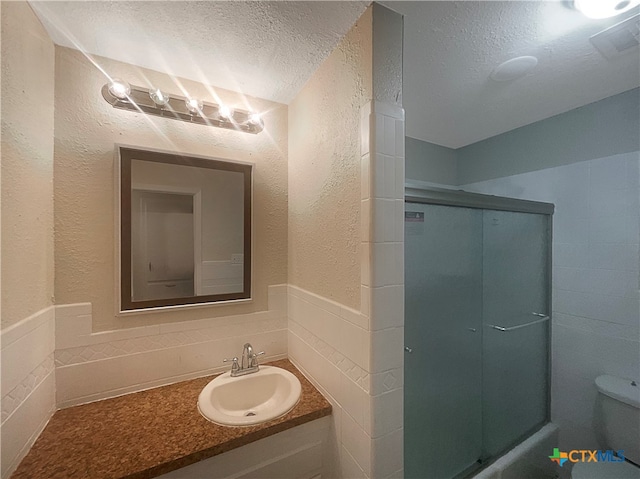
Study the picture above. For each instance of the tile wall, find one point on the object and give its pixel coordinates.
(53, 360)
(356, 357)
(386, 285)
(28, 385)
(596, 307)
(92, 366)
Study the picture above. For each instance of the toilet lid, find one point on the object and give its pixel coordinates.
(605, 470)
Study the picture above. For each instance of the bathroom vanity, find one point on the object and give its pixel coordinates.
(154, 432)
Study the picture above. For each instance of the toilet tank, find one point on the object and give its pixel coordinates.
(619, 404)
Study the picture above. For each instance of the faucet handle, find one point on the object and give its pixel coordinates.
(254, 358)
(234, 366)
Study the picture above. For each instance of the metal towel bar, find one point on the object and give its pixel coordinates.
(543, 318)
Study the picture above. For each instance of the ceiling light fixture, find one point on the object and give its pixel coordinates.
(514, 68)
(597, 9)
(119, 94)
(119, 88)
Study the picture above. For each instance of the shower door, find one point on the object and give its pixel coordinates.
(476, 331)
(443, 329)
(515, 360)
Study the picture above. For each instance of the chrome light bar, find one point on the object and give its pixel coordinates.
(175, 107)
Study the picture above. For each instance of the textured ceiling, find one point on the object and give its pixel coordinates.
(270, 49)
(450, 49)
(263, 49)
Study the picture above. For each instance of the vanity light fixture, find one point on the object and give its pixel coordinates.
(119, 94)
(598, 9)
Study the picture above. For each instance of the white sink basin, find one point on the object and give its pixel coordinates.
(251, 399)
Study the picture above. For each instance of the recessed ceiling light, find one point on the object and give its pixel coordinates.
(514, 68)
(604, 8)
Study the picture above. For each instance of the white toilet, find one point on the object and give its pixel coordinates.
(618, 427)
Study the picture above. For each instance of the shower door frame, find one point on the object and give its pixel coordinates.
(414, 193)
(464, 199)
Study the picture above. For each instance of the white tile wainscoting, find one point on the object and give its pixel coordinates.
(52, 360)
(356, 358)
(329, 346)
(28, 385)
(92, 366)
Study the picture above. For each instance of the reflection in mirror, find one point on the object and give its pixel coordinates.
(185, 230)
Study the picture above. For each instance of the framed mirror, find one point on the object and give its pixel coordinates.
(185, 229)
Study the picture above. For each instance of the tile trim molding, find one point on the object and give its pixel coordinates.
(73, 329)
(13, 399)
(385, 236)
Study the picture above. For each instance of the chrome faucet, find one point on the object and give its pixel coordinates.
(247, 352)
(248, 363)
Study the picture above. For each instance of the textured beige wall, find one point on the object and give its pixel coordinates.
(27, 164)
(387, 55)
(324, 170)
(86, 128)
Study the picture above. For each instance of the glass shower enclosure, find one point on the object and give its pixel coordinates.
(477, 329)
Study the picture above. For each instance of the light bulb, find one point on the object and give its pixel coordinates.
(158, 97)
(255, 119)
(598, 9)
(225, 112)
(119, 88)
(194, 105)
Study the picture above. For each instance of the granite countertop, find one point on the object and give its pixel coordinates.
(149, 433)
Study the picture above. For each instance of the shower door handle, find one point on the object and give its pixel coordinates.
(542, 319)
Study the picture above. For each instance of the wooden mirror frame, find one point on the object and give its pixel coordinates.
(127, 155)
